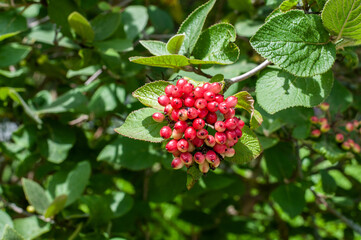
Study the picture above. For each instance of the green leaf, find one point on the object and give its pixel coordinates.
(215, 45)
(140, 125)
(354, 171)
(120, 203)
(331, 152)
(134, 19)
(165, 61)
(10, 234)
(56, 206)
(5, 220)
(105, 25)
(31, 227)
(243, 6)
(121, 153)
(156, 48)
(340, 98)
(247, 149)
(12, 53)
(59, 11)
(281, 161)
(291, 199)
(161, 20)
(71, 183)
(343, 18)
(277, 90)
(192, 27)
(35, 195)
(148, 94)
(175, 43)
(81, 26)
(288, 5)
(11, 24)
(119, 45)
(193, 175)
(297, 42)
(328, 183)
(246, 102)
(247, 27)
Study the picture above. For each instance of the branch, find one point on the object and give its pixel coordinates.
(348, 222)
(198, 71)
(247, 75)
(93, 77)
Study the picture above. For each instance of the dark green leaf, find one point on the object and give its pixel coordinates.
(291, 199)
(119, 45)
(11, 24)
(12, 53)
(134, 19)
(105, 25)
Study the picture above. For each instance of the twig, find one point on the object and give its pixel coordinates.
(94, 76)
(247, 75)
(198, 71)
(348, 222)
(80, 119)
(38, 22)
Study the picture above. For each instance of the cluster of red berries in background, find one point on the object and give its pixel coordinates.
(201, 123)
(344, 133)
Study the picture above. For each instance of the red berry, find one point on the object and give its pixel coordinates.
(176, 153)
(231, 101)
(200, 103)
(210, 141)
(183, 115)
(181, 82)
(176, 134)
(316, 133)
(314, 119)
(192, 113)
(215, 163)
(190, 133)
(181, 126)
(169, 90)
(165, 132)
(188, 88)
(322, 121)
(204, 167)
(231, 134)
(356, 148)
(220, 148)
(349, 127)
(325, 128)
(199, 157)
(168, 109)
(209, 96)
(211, 156)
(219, 98)
(176, 103)
(171, 145)
(211, 118)
(177, 163)
(191, 147)
(230, 152)
(230, 114)
(220, 137)
(202, 113)
(189, 102)
(202, 134)
(198, 92)
(216, 87)
(238, 133)
(198, 142)
(199, 123)
(158, 117)
(206, 87)
(219, 126)
(174, 115)
(231, 123)
(230, 143)
(186, 158)
(182, 145)
(223, 108)
(177, 92)
(163, 100)
(240, 124)
(339, 138)
(212, 106)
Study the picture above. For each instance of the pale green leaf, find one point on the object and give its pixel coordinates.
(291, 199)
(247, 27)
(175, 43)
(215, 45)
(134, 19)
(247, 148)
(156, 48)
(140, 125)
(5, 219)
(56, 206)
(81, 26)
(35, 195)
(343, 18)
(11, 24)
(10, 234)
(277, 90)
(288, 5)
(297, 42)
(148, 94)
(105, 25)
(165, 61)
(246, 102)
(31, 227)
(192, 27)
(12, 53)
(119, 45)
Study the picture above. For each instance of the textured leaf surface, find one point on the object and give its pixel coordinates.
(246, 102)
(149, 93)
(214, 44)
(192, 26)
(166, 61)
(156, 48)
(140, 125)
(175, 43)
(288, 5)
(81, 26)
(10, 234)
(297, 42)
(247, 149)
(291, 199)
(36, 195)
(277, 90)
(343, 18)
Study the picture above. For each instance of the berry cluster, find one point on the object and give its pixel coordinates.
(198, 136)
(353, 129)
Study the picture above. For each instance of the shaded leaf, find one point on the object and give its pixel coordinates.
(291, 199)
(134, 19)
(11, 24)
(5, 220)
(246, 102)
(35, 195)
(31, 227)
(12, 53)
(193, 175)
(10, 234)
(105, 25)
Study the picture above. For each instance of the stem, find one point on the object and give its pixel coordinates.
(246, 75)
